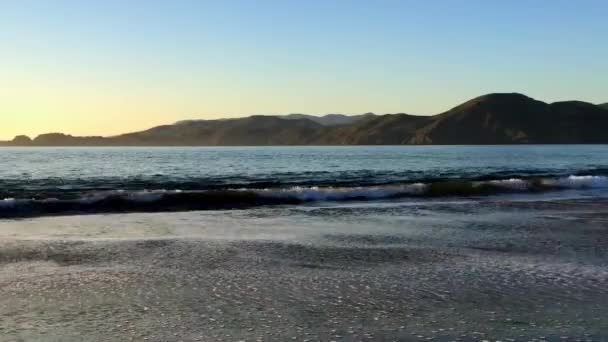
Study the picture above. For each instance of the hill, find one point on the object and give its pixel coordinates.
(389, 129)
(330, 119)
(502, 118)
(253, 130)
(513, 119)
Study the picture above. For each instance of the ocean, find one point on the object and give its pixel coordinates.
(51, 181)
(388, 243)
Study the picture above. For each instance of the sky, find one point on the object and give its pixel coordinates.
(106, 67)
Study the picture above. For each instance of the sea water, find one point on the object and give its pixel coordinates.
(72, 180)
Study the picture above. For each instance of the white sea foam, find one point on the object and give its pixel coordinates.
(512, 183)
(344, 193)
(389, 191)
(578, 182)
(122, 200)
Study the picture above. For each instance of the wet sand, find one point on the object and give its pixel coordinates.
(509, 272)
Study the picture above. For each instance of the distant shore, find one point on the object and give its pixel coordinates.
(499, 118)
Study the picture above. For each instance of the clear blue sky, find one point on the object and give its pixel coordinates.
(104, 67)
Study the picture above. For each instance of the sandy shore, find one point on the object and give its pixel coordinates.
(336, 287)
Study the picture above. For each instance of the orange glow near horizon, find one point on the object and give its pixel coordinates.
(111, 67)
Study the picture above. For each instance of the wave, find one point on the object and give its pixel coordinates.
(118, 201)
(73, 188)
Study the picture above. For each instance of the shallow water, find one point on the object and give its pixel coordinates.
(469, 269)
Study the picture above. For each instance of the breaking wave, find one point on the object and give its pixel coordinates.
(118, 201)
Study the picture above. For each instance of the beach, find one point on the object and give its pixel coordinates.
(438, 270)
(312, 171)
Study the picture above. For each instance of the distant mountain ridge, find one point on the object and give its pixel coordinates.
(325, 120)
(499, 118)
(330, 119)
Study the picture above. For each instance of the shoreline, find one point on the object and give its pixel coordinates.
(269, 275)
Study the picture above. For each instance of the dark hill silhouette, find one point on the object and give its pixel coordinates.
(331, 119)
(60, 139)
(604, 105)
(516, 118)
(253, 130)
(21, 140)
(506, 118)
(389, 129)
